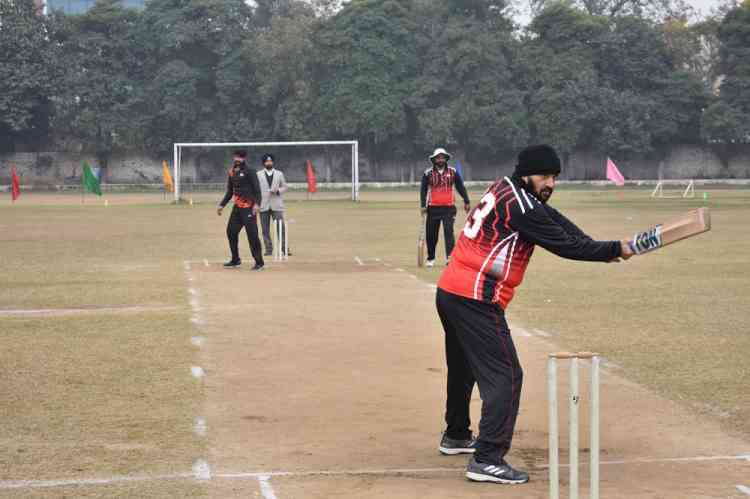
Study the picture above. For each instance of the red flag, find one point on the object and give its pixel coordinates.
(614, 174)
(15, 189)
(311, 184)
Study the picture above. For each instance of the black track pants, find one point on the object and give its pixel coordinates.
(436, 215)
(239, 218)
(479, 348)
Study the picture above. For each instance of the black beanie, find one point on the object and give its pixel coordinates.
(538, 160)
(240, 153)
(266, 157)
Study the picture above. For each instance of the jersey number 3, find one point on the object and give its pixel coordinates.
(474, 223)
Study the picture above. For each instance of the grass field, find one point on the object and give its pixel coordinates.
(95, 316)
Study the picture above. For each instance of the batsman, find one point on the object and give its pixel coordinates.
(473, 293)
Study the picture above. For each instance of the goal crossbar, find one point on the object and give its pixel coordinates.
(354, 144)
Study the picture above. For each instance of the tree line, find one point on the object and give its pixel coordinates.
(622, 77)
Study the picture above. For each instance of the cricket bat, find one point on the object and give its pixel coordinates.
(690, 224)
(421, 246)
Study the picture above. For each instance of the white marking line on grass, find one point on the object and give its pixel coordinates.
(358, 260)
(265, 487)
(541, 333)
(197, 372)
(201, 470)
(399, 269)
(520, 332)
(31, 484)
(205, 262)
(75, 311)
(744, 490)
(199, 427)
(198, 341)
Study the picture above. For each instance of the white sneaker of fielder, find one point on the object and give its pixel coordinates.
(429, 263)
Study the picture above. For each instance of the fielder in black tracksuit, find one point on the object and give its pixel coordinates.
(244, 189)
(436, 196)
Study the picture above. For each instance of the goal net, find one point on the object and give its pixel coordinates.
(674, 189)
(202, 166)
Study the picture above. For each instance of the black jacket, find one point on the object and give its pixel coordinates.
(242, 182)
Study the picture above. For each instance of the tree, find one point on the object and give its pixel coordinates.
(200, 89)
(734, 36)
(28, 72)
(365, 72)
(466, 95)
(280, 57)
(103, 68)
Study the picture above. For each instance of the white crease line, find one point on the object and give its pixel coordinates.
(399, 269)
(338, 472)
(197, 372)
(198, 341)
(692, 459)
(199, 427)
(265, 487)
(377, 259)
(520, 332)
(542, 333)
(358, 260)
(205, 262)
(197, 321)
(744, 490)
(201, 470)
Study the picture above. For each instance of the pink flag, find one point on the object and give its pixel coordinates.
(614, 174)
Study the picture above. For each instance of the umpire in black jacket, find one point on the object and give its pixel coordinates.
(244, 190)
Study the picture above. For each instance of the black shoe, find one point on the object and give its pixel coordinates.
(233, 263)
(257, 267)
(451, 447)
(495, 473)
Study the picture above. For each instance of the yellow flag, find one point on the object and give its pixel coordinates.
(168, 185)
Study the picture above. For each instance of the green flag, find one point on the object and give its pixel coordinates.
(89, 180)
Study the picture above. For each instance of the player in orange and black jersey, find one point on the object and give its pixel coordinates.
(243, 188)
(438, 203)
(487, 265)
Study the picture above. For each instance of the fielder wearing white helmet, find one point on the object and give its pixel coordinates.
(438, 152)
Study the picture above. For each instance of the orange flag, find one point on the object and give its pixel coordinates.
(15, 189)
(311, 183)
(167, 177)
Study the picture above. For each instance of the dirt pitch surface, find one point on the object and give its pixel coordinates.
(323, 376)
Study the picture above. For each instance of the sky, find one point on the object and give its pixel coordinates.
(702, 8)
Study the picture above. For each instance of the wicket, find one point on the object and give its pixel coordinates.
(574, 399)
(281, 245)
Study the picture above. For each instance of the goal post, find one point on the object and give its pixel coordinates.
(678, 191)
(179, 146)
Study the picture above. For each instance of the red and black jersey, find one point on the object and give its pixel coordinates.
(493, 251)
(243, 187)
(437, 187)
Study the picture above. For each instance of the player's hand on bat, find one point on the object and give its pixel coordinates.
(467, 207)
(625, 249)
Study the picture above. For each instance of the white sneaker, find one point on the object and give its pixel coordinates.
(429, 263)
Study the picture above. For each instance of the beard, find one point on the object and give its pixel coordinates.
(545, 194)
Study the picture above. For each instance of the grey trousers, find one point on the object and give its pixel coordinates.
(265, 223)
